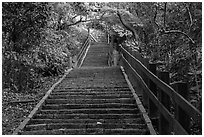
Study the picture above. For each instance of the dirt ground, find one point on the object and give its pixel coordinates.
(14, 113)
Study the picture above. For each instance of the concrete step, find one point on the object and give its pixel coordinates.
(92, 93)
(90, 77)
(113, 96)
(95, 89)
(88, 106)
(92, 100)
(64, 100)
(118, 121)
(54, 126)
(91, 111)
(95, 72)
(85, 131)
(86, 116)
(92, 82)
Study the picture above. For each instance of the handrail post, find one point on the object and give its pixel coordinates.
(88, 32)
(165, 127)
(139, 92)
(146, 80)
(115, 55)
(70, 62)
(129, 59)
(152, 108)
(107, 32)
(108, 39)
(180, 114)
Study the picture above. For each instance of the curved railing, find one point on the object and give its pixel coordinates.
(159, 96)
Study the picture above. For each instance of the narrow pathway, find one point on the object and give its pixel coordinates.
(93, 99)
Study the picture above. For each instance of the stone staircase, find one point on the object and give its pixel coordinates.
(97, 56)
(99, 36)
(88, 111)
(92, 100)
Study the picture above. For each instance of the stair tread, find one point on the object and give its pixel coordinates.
(53, 126)
(93, 96)
(87, 131)
(89, 96)
(90, 111)
(93, 92)
(84, 116)
(130, 120)
(61, 100)
(93, 99)
(105, 105)
(99, 123)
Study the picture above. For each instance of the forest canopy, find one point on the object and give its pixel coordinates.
(39, 37)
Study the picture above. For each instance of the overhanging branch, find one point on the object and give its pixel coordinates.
(74, 17)
(79, 21)
(165, 5)
(75, 22)
(126, 25)
(155, 16)
(190, 16)
(180, 32)
(175, 31)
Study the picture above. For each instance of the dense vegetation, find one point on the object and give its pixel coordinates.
(37, 42)
(169, 34)
(38, 38)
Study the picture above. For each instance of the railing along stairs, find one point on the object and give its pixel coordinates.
(83, 51)
(166, 103)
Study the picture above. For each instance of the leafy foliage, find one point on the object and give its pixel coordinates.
(170, 33)
(39, 37)
(37, 41)
(22, 25)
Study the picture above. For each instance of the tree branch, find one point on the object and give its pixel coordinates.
(79, 21)
(103, 14)
(190, 16)
(127, 26)
(75, 22)
(180, 32)
(165, 5)
(164, 31)
(74, 17)
(97, 6)
(155, 16)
